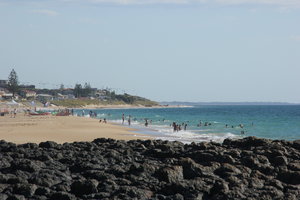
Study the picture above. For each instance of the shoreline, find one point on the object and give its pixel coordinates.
(61, 129)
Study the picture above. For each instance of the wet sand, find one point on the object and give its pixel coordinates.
(23, 129)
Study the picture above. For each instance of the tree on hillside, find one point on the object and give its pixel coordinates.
(78, 90)
(13, 82)
(61, 87)
(87, 90)
(113, 95)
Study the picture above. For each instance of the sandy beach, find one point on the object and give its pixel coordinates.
(23, 129)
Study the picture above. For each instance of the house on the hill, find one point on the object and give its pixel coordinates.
(44, 98)
(28, 94)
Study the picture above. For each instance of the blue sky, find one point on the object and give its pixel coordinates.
(185, 50)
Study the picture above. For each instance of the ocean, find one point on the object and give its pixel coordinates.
(272, 122)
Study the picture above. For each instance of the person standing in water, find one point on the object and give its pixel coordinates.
(123, 118)
(129, 120)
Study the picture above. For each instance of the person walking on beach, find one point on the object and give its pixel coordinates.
(123, 118)
(82, 113)
(15, 113)
(129, 120)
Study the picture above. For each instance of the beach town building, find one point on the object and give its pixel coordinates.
(8, 96)
(2, 92)
(93, 92)
(102, 94)
(3, 83)
(67, 91)
(28, 94)
(70, 96)
(44, 97)
(60, 96)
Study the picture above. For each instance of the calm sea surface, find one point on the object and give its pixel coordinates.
(273, 122)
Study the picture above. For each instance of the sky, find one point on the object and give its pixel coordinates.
(165, 50)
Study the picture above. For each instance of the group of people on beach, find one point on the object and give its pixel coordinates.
(104, 121)
(175, 126)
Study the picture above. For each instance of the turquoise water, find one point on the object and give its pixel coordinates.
(273, 122)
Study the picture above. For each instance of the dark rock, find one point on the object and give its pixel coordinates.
(48, 178)
(5, 163)
(134, 192)
(190, 168)
(26, 165)
(280, 160)
(171, 174)
(289, 177)
(3, 196)
(42, 191)
(250, 168)
(219, 187)
(15, 180)
(49, 145)
(25, 189)
(80, 188)
(16, 197)
(296, 144)
(62, 196)
(247, 142)
(29, 146)
(227, 170)
(294, 166)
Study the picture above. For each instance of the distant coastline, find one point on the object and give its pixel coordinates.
(183, 103)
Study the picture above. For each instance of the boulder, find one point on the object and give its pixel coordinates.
(171, 174)
(80, 188)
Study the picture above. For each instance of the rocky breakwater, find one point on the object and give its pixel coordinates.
(250, 168)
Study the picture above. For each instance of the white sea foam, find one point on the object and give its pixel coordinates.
(188, 137)
(165, 132)
(119, 121)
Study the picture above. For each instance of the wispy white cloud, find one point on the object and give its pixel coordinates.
(46, 12)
